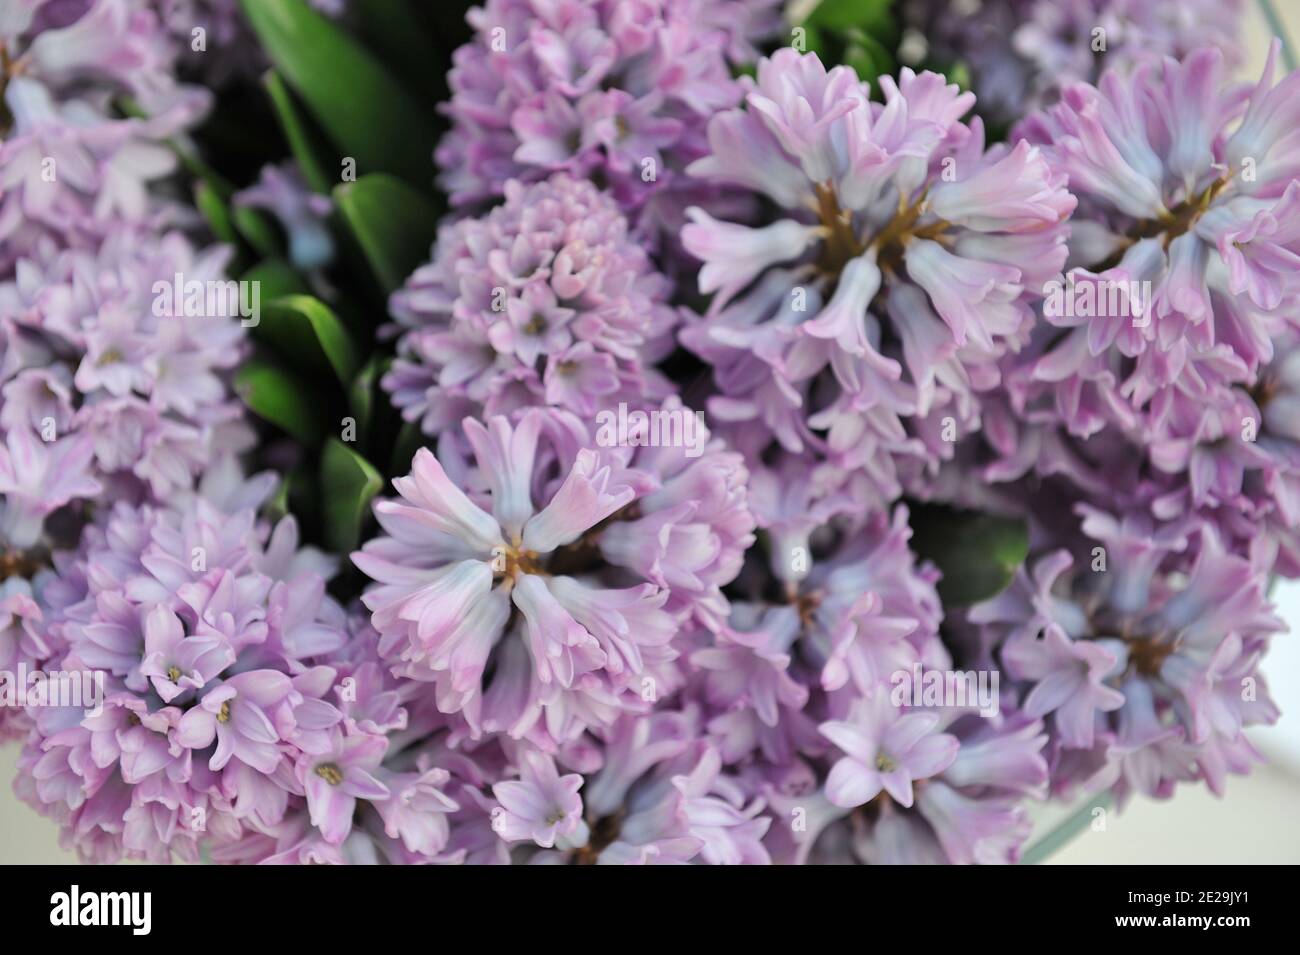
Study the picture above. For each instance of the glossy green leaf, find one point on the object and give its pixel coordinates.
(393, 32)
(977, 553)
(275, 278)
(874, 16)
(393, 224)
(348, 484)
(215, 212)
(310, 152)
(868, 57)
(367, 114)
(307, 330)
(257, 231)
(361, 394)
(280, 397)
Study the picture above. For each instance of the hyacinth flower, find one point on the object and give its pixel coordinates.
(108, 392)
(103, 395)
(244, 712)
(1179, 297)
(597, 89)
(661, 795)
(801, 694)
(302, 213)
(901, 270)
(1145, 673)
(544, 301)
(1200, 212)
(545, 598)
(58, 60)
(966, 808)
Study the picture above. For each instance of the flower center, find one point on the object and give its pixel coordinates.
(223, 715)
(1176, 222)
(514, 560)
(1147, 655)
(603, 832)
(17, 563)
(842, 244)
(173, 673)
(330, 773)
(885, 763)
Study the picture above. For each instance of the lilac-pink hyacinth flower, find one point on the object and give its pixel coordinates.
(902, 269)
(596, 89)
(884, 750)
(541, 806)
(516, 582)
(544, 301)
(244, 713)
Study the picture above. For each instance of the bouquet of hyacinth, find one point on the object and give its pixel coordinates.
(637, 431)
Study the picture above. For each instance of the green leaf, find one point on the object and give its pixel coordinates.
(393, 32)
(307, 330)
(215, 212)
(978, 554)
(310, 152)
(257, 231)
(275, 278)
(393, 224)
(868, 57)
(361, 394)
(814, 40)
(365, 111)
(277, 507)
(348, 483)
(276, 395)
(874, 16)
(409, 440)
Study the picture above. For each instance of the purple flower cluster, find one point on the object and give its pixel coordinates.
(913, 319)
(107, 391)
(243, 712)
(606, 89)
(546, 300)
(591, 629)
(540, 590)
(858, 329)
(1181, 299)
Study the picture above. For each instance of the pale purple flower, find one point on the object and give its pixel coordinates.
(1021, 53)
(301, 213)
(1141, 661)
(336, 779)
(220, 682)
(884, 750)
(541, 806)
(516, 582)
(902, 269)
(596, 88)
(544, 301)
(176, 663)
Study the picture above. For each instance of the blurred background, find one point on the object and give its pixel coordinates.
(1253, 823)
